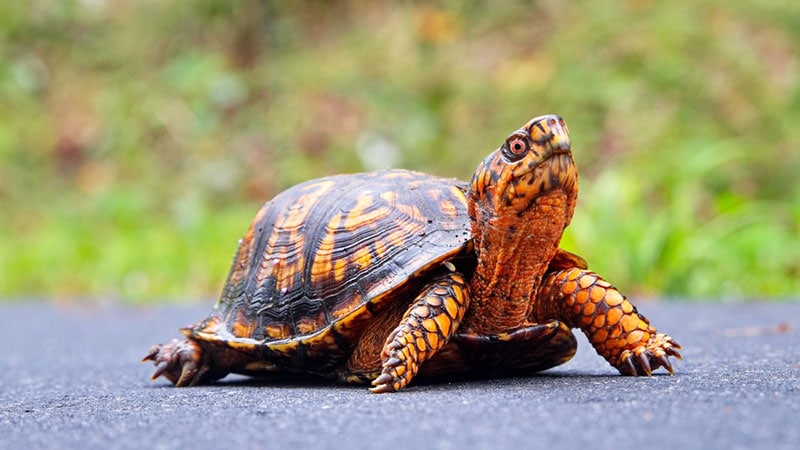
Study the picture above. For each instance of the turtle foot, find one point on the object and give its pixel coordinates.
(649, 356)
(424, 330)
(181, 362)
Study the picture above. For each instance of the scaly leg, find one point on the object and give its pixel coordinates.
(581, 299)
(424, 329)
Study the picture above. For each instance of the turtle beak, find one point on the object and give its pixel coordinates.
(551, 133)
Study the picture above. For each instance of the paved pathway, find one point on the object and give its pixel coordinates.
(70, 378)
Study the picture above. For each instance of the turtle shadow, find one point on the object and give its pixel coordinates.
(306, 381)
(282, 380)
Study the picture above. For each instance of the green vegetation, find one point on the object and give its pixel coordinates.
(137, 139)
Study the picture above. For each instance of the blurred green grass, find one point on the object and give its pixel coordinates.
(137, 139)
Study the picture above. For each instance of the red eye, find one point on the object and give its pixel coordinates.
(516, 147)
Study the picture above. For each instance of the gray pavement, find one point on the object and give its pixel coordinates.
(70, 378)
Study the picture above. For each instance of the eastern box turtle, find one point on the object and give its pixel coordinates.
(375, 277)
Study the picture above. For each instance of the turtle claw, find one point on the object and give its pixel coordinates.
(181, 362)
(629, 366)
(188, 375)
(390, 379)
(151, 354)
(663, 360)
(382, 384)
(160, 369)
(655, 353)
(644, 363)
(672, 349)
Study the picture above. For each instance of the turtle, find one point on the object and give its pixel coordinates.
(382, 277)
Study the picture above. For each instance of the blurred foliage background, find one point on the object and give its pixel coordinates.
(139, 137)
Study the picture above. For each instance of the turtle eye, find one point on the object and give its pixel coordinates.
(516, 147)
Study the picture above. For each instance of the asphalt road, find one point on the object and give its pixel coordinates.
(70, 377)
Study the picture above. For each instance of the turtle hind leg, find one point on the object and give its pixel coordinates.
(425, 328)
(522, 351)
(184, 363)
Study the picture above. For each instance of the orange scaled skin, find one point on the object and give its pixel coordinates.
(613, 325)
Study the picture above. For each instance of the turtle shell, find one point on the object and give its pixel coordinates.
(321, 258)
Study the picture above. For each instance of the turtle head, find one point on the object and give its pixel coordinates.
(521, 198)
(534, 161)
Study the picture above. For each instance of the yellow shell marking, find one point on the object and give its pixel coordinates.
(339, 270)
(284, 263)
(357, 216)
(344, 309)
(274, 331)
(362, 257)
(323, 261)
(459, 194)
(449, 208)
(242, 327)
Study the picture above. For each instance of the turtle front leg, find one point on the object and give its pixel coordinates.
(582, 299)
(424, 329)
